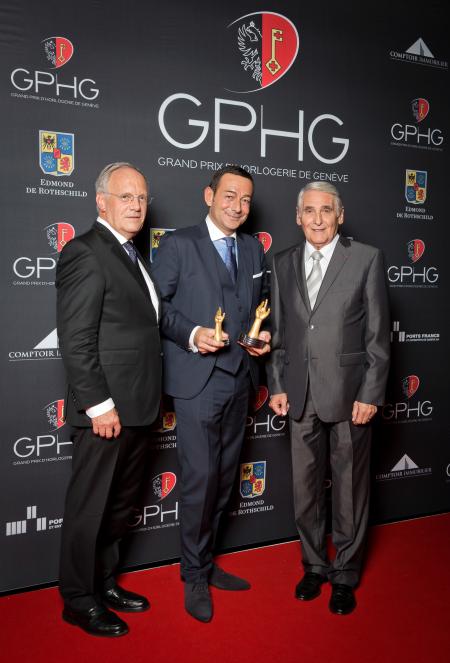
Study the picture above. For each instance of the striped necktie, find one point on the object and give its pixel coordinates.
(130, 249)
(315, 278)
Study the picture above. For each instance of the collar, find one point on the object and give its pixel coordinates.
(120, 238)
(326, 251)
(214, 231)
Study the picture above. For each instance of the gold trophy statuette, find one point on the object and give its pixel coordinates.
(251, 339)
(218, 334)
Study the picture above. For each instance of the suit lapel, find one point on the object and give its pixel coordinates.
(245, 262)
(144, 263)
(338, 259)
(299, 268)
(208, 255)
(122, 255)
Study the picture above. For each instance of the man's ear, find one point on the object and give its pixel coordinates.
(209, 195)
(100, 201)
(298, 217)
(341, 217)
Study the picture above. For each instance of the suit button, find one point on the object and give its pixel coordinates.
(311, 326)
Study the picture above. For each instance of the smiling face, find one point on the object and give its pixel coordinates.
(229, 205)
(125, 217)
(319, 218)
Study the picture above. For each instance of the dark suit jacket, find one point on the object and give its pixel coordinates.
(185, 270)
(108, 331)
(342, 345)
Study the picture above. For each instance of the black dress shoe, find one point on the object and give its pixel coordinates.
(120, 599)
(223, 580)
(197, 601)
(342, 601)
(96, 621)
(309, 586)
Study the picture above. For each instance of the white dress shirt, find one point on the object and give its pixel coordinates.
(326, 251)
(105, 406)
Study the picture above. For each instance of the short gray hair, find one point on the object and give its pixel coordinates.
(324, 187)
(102, 181)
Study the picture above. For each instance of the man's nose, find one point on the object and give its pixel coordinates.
(135, 204)
(236, 205)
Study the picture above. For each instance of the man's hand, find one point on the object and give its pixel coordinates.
(279, 404)
(362, 413)
(107, 425)
(256, 352)
(205, 342)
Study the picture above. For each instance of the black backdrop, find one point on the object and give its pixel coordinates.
(359, 97)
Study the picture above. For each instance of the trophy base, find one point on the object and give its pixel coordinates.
(250, 342)
(226, 342)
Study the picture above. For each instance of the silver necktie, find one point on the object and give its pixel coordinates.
(314, 278)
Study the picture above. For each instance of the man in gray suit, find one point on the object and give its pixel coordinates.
(328, 368)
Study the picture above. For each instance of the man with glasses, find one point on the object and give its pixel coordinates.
(107, 314)
(199, 269)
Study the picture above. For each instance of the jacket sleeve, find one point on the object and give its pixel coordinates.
(166, 271)
(377, 335)
(275, 363)
(80, 290)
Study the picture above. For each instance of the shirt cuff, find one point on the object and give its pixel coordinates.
(192, 346)
(101, 408)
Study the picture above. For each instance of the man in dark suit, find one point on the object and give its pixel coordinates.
(107, 310)
(199, 269)
(329, 368)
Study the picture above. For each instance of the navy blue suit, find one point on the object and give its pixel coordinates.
(210, 390)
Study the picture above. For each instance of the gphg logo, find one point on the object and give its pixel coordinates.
(154, 516)
(57, 53)
(58, 50)
(163, 484)
(176, 104)
(412, 134)
(411, 276)
(157, 516)
(59, 234)
(408, 410)
(54, 412)
(264, 238)
(266, 45)
(36, 270)
(40, 447)
(39, 82)
(259, 425)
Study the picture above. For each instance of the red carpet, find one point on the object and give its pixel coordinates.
(403, 612)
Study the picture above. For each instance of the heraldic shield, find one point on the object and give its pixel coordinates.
(252, 479)
(56, 153)
(416, 186)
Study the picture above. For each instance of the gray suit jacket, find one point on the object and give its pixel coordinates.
(342, 346)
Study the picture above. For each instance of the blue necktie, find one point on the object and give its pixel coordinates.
(230, 257)
(130, 249)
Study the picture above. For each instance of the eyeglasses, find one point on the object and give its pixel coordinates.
(128, 198)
